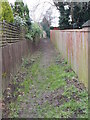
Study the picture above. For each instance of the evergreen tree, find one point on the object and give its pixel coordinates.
(46, 26)
(79, 12)
(64, 16)
(6, 11)
(21, 10)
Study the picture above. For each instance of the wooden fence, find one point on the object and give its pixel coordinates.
(74, 46)
(12, 55)
(14, 48)
(10, 33)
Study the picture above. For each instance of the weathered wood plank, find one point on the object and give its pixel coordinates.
(10, 32)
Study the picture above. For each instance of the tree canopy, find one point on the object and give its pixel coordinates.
(21, 11)
(81, 12)
(46, 26)
(6, 11)
(77, 12)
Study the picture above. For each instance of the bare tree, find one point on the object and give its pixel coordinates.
(46, 9)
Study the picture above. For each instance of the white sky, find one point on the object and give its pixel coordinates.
(37, 14)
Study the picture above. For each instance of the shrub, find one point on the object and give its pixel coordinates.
(34, 32)
(29, 36)
(19, 21)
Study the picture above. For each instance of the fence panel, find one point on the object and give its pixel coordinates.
(10, 33)
(73, 44)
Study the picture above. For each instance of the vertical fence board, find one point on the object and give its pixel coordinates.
(73, 44)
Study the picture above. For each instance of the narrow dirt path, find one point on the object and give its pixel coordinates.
(46, 87)
(48, 53)
(47, 57)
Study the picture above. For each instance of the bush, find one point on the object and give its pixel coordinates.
(19, 21)
(34, 32)
(29, 36)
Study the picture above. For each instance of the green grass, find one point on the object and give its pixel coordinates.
(48, 80)
(49, 111)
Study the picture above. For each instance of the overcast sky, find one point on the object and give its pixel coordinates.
(37, 13)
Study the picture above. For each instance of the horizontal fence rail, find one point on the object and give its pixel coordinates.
(10, 33)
